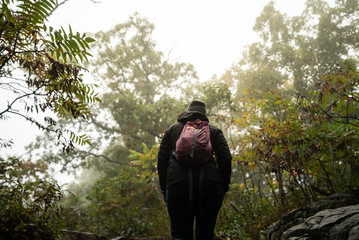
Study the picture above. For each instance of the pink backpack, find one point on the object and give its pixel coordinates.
(194, 147)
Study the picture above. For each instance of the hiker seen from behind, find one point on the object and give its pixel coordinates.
(194, 168)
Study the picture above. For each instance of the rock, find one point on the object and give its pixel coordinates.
(342, 230)
(354, 233)
(330, 224)
(334, 218)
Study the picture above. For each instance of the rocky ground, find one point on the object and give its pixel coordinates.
(334, 218)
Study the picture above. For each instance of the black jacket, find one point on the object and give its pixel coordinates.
(170, 171)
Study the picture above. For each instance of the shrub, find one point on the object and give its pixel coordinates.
(28, 206)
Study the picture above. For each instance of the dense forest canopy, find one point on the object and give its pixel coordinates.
(288, 108)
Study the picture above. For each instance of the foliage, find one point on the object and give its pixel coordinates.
(137, 106)
(137, 102)
(146, 161)
(40, 75)
(218, 98)
(39, 68)
(335, 107)
(28, 205)
(293, 53)
(243, 216)
(126, 205)
(294, 151)
(289, 150)
(140, 82)
(338, 97)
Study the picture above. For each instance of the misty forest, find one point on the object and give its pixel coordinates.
(289, 109)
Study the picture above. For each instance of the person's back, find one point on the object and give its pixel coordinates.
(193, 193)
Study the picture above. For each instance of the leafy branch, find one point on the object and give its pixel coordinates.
(49, 60)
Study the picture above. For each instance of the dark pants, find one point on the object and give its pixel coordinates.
(202, 213)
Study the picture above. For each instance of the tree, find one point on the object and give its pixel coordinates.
(288, 151)
(41, 75)
(295, 52)
(39, 68)
(292, 152)
(29, 203)
(140, 81)
(140, 97)
(125, 205)
(335, 106)
(256, 73)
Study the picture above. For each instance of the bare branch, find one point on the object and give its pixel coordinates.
(98, 156)
(9, 107)
(102, 126)
(13, 51)
(339, 117)
(58, 4)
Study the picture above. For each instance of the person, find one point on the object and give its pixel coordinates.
(175, 179)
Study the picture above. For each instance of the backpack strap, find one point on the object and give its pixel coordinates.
(190, 185)
(200, 187)
(191, 153)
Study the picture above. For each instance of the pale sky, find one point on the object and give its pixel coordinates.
(210, 34)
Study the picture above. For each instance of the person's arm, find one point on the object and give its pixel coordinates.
(163, 157)
(224, 159)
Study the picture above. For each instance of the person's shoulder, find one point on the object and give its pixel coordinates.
(211, 126)
(214, 130)
(175, 126)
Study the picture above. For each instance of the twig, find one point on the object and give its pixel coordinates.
(99, 156)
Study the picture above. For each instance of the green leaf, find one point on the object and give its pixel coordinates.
(134, 152)
(50, 5)
(70, 30)
(74, 45)
(89, 39)
(145, 149)
(41, 10)
(133, 157)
